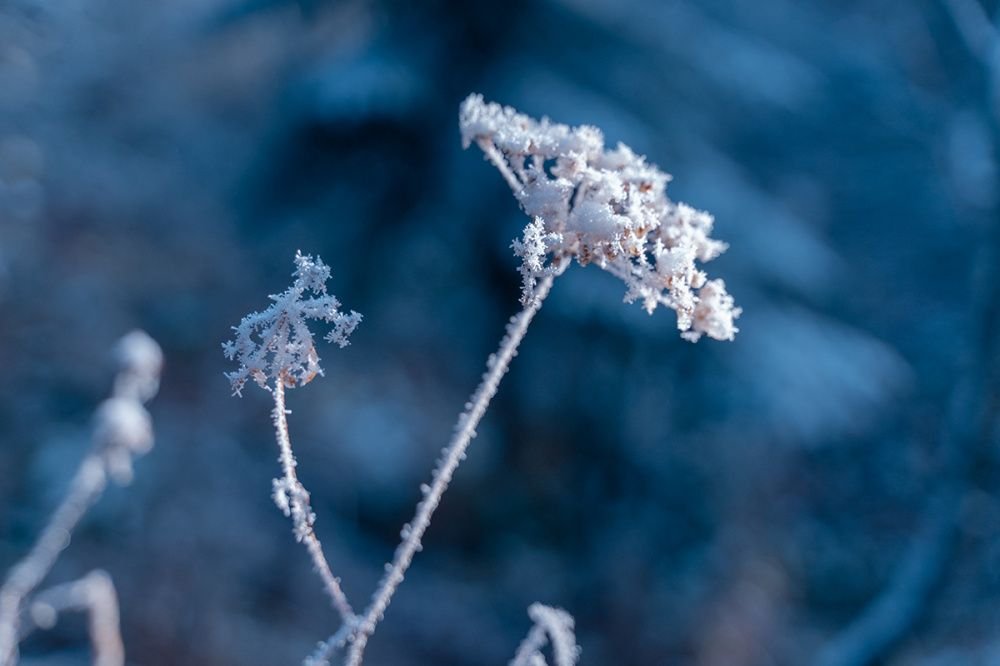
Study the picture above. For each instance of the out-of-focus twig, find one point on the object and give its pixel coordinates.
(552, 625)
(122, 430)
(95, 594)
(887, 619)
(982, 38)
(974, 25)
(969, 421)
(87, 486)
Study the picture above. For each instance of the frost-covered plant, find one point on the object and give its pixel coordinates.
(123, 430)
(276, 345)
(275, 348)
(606, 207)
(552, 625)
(94, 593)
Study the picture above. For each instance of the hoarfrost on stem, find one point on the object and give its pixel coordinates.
(284, 353)
(606, 207)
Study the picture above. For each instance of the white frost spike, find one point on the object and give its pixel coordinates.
(284, 349)
(532, 248)
(606, 207)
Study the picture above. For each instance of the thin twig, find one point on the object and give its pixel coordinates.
(94, 593)
(123, 430)
(87, 485)
(297, 506)
(453, 455)
(552, 625)
(325, 649)
(530, 646)
(495, 157)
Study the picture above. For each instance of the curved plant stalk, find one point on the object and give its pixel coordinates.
(454, 454)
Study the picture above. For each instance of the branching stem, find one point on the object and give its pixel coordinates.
(86, 487)
(453, 455)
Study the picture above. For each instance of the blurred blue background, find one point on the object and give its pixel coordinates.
(823, 490)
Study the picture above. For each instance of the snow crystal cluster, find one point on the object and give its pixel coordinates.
(276, 344)
(606, 207)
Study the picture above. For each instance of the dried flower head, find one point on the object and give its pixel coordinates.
(276, 344)
(606, 207)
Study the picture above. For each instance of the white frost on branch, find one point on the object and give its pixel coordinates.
(123, 430)
(293, 500)
(531, 249)
(95, 594)
(552, 625)
(276, 344)
(275, 348)
(606, 207)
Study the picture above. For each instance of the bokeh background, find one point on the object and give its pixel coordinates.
(823, 490)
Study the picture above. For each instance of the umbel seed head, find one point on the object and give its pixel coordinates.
(604, 207)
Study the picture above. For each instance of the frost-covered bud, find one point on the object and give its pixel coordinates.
(123, 429)
(276, 344)
(140, 360)
(714, 313)
(606, 207)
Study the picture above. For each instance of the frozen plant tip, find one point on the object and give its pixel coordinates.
(276, 344)
(605, 207)
(275, 348)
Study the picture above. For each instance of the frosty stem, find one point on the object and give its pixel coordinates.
(87, 486)
(500, 162)
(453, 455)
(95, 594)
(301, 513)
